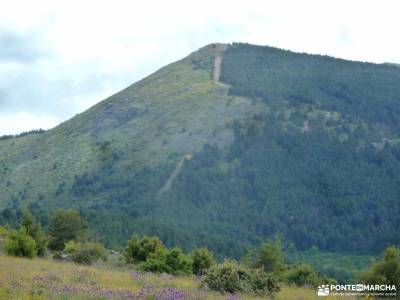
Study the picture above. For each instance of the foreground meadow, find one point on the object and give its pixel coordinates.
(45, 279)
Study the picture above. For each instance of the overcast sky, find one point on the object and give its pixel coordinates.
(58, 58)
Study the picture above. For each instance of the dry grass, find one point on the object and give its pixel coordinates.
(45, 279)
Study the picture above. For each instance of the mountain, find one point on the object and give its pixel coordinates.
(229, 145)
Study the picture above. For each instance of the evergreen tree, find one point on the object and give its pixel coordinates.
(34, 229)
(203, 259)
(270, 256)
(65, 226)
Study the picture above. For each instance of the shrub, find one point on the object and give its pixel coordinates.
(172, 261)
(139, 249)
(264, 284)
(89, 253)
(230, 277)
(3, 235)
(386, 271)
(71, 247)
(156, 262)
(203, 259)
(178, 262)
(19, 243)
(34, 230)
(303, 274)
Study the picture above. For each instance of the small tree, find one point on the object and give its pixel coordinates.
(386, 271)
(65, 226)
(270, 256)
(34, 229)
(139, 249)
(20, 243)
(203, 259)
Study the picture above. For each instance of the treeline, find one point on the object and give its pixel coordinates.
(68, 237)
(355, 89)
(261, 271)
(22, 134)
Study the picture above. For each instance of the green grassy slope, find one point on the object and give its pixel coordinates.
(299, 145)
(134, 139)
(168, 114)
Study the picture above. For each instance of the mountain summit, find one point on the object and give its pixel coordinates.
(231, 144)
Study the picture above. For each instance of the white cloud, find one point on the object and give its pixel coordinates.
(82, 51)
(21, 121)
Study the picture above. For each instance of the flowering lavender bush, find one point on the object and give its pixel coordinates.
(15, 282)
(50, 286)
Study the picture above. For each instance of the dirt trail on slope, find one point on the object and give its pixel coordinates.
(218, 62)
(217, 68)
(174, 174)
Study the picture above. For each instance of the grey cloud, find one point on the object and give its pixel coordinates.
(20, 48)
(3, 98)
(27, 89)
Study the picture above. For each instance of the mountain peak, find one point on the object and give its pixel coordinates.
(231, 143)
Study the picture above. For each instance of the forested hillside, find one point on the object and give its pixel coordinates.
(288, 144)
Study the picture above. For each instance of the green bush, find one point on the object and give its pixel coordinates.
(89, 253)
(34, 230)
(264, 284)
(172, 261)
(139, 249)
(156, 262)
(178, 262)
(304, 274)
(386, 271)
(202, 259)
(230, 277)
(71, 247)
(3, 235)
(19, 243)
